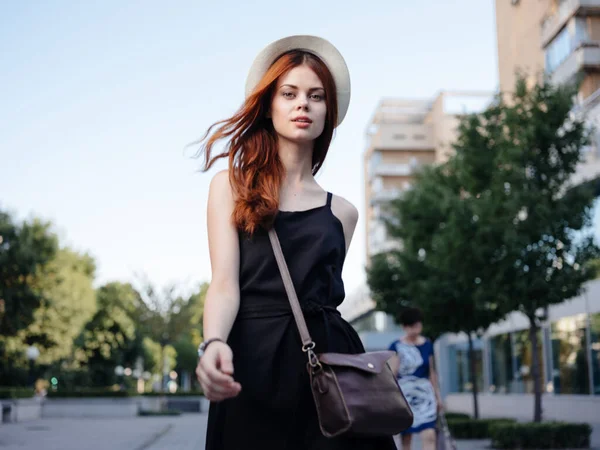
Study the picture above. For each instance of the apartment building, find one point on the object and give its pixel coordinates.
(559, 40)
(404, 135)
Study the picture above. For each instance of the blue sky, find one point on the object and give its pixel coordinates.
(99, 99)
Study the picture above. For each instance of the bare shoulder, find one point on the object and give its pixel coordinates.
(220, 187)
(347, 213)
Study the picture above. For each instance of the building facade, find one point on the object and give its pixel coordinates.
(558, 40)
(403, 136)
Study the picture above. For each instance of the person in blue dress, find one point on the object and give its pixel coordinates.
(413, 365)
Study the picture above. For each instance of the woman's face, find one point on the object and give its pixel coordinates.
(298, 108)
(413, 330)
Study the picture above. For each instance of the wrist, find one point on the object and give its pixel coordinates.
(203, 346)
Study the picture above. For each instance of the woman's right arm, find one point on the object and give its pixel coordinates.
(215, 368)
(223, 296)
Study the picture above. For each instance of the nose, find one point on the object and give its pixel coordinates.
(302, 103)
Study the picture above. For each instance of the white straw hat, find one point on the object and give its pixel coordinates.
(320, 47)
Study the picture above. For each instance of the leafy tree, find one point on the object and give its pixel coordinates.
(24, 249)
(109, 338)
(442, 259)
(498, 228)
(69, 302)
(534, 145)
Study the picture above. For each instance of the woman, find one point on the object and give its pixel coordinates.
(297, 92)
(414, 367)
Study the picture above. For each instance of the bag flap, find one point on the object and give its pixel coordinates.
(373, 362)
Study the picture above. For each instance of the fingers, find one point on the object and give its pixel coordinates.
(215, 372)
(226, 364)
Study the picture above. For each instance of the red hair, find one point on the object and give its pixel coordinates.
(255, 170)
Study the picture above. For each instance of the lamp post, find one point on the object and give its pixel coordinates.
(32, 355)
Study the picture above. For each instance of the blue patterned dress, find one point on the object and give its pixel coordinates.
(413, 378)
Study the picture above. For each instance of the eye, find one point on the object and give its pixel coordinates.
(317, 97)
(288, 94)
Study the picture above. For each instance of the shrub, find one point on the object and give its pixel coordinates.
(79, 393)
(167, 412)
(474, 428)
(169, 394)
(16, 392)
(456, 415)
(541, 435)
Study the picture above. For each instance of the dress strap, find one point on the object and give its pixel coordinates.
(329, 195)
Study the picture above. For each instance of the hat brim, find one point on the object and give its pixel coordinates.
(320, 47)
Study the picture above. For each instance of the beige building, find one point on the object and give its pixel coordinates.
(404, 135)
(559, 39)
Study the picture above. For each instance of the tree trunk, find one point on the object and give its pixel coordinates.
(535, 371)
(473, 376)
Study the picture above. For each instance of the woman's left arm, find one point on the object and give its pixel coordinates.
(435, 383)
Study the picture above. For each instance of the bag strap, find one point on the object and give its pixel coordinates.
(307, 342)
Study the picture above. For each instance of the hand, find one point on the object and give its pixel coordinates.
(215, 373)
(440, 405)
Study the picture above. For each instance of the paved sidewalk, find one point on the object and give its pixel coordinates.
(140, 433)
(185, 432)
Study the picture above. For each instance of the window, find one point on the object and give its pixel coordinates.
(595, 351)
(569, 355)
(524, 362)
(377, 185)
(374, 161)
(567, 40)
(501, 358)
(459, 368)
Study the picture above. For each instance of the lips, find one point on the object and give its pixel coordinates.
(302, 120)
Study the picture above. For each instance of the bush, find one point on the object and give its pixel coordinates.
(456, 415)
(79, 393)
(16, 392)
(169, 394)
(167, 412)
(541, 435)
(462, 428)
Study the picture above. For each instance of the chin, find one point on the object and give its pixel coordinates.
(299, 138)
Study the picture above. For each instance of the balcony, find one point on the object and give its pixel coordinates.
(403, 137)
(552, 24)
(385, 196)
(391, 170)
(586, 56)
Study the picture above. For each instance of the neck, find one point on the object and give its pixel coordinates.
(411, 339)
(297, 160)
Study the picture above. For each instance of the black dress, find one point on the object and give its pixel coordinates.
(275, 409)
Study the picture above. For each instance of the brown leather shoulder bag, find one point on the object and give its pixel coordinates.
(354, 393)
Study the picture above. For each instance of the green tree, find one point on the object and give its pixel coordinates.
(498, 228)
(69, 302)
(109, 338)
(517, 160)
(24, 249)
(173, 320)
(442, 260)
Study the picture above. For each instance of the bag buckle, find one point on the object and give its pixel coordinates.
(313, 360)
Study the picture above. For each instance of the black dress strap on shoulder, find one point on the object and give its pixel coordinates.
(329, 196)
